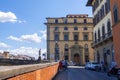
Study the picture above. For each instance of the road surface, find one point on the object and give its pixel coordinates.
(79, 73)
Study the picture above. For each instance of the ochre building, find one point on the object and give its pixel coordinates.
(70, 38)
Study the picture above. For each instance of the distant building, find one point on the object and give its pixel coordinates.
(24, 57)
(1, 55)
(115, 11)
(70, 38)
(102, 32)
(6, 54)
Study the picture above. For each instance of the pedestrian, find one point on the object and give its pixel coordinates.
(102, 66)
(60, 65)
(63, 64)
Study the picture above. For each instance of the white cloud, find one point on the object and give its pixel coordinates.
(14, 38)
(43, 34)
(9, 17)
(3, 45)
(30, 38)
(33, 52)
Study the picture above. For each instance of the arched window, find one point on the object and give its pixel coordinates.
(56, 51)
(103, 32)
(109, 27)
(86, 50)
(115, 12)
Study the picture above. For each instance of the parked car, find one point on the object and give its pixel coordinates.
(93, 66)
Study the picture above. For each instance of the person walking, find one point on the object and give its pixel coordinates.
(60, 65)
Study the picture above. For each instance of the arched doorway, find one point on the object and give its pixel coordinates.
(77, 59)
(76, 54)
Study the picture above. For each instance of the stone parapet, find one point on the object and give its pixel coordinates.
(29, 72)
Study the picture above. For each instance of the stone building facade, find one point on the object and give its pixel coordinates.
(70, 38)
(102, 32)
(115, 11)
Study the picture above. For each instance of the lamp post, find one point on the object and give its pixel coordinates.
(56, 51)
(39, 58)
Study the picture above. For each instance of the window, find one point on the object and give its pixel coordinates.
(65, 21)
(65, 28)
(95, 37)
(66, 52)
(56, 28)
(85, 28)
(66, 47)
(109, 28)
(85, 21)
(56, 37)
(75, 21)
(98, 34)
(98, 57)
(86, 58)
(103, 32)
(56, 20)
(75, 28)
(56, 51)
(76, 37)
(108, 2)
(86, 48)
(115, 11)
(66, 37)
(101, 14)
(107, 6)
(103, 11)
(85, 37)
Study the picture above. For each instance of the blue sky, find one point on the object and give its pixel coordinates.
(22, 29)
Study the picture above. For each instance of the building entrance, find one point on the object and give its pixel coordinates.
(77, 59)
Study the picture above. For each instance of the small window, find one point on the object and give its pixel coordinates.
(85, 21)
(56, 28)
(75, 21)
(56, 20)
(75, 28)
(65, 28)
(85, 28)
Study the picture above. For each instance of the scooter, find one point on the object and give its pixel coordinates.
(114, 72)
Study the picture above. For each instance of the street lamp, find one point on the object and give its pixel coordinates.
(39, 58)
(56, 51)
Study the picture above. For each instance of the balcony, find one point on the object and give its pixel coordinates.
(108, 36)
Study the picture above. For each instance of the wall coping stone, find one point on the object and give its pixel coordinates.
(11, 71)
